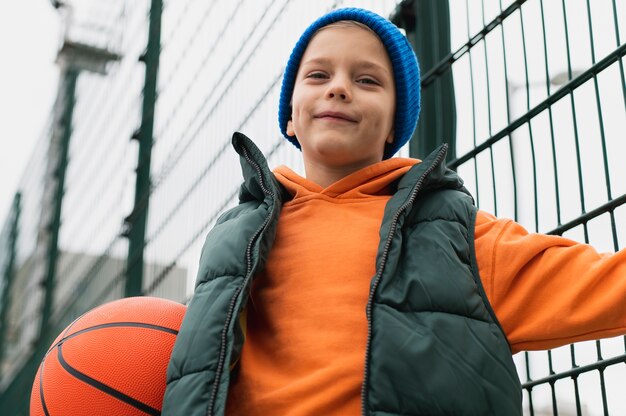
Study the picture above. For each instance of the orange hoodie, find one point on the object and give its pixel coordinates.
(307, 331)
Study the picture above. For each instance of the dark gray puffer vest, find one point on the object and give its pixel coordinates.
(434, 344)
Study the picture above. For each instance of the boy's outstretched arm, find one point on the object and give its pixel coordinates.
(548, 290)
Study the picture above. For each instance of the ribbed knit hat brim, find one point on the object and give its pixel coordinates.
(403, 61)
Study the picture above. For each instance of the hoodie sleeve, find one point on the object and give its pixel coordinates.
(546, 290)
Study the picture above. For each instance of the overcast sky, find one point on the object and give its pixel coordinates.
(29, 37)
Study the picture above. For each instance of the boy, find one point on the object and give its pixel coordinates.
(373, 285)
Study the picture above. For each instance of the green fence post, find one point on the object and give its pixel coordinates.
(427, 26)
(8, 272)
(69, 84)
(135, 223)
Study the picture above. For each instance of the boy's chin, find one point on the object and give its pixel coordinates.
(338, 155)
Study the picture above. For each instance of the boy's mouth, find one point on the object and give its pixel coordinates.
(335, 115)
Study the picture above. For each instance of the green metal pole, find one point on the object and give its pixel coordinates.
(9, 272)
(136, 221)
(69, 81)
(427, 26)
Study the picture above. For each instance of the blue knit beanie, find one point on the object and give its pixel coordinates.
(405, 71)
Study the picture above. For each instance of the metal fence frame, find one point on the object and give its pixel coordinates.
(436, 76)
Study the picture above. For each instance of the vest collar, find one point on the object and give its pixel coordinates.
(437, 175)
(259, 181)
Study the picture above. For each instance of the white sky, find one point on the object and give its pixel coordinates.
(29, 37)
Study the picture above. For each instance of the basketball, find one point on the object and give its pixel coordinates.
(110, 361)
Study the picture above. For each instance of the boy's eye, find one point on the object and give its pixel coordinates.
(368, 81)
(317, 75)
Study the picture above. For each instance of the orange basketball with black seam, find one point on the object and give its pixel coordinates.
(110, 361)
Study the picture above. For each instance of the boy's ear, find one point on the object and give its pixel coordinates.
(390, 137)
(290, 130)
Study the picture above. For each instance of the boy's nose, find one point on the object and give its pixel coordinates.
(338, 89)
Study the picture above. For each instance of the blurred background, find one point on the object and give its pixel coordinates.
(29, 38)
(115, 158)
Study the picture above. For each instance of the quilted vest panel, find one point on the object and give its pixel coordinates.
(435, 345)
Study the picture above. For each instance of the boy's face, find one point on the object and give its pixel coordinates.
(343, 102)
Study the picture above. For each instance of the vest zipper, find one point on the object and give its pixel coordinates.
(379, 272)
(231, 307)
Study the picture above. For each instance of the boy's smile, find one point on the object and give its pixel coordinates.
(335, 116)
(343, 102)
